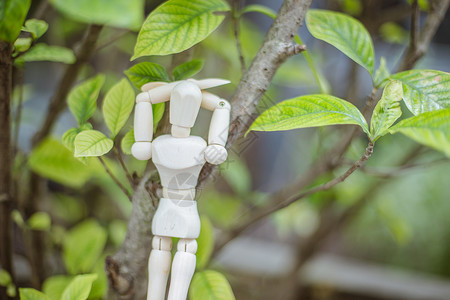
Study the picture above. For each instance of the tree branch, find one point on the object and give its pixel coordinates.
(416, 50)
(114, 178)
(277, 47)
(58, 101)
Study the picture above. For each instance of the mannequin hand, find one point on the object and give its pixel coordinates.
(142, 150)
(216, 154)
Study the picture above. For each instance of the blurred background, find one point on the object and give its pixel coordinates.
(394, 243)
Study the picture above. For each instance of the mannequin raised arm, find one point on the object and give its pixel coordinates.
(216, 153)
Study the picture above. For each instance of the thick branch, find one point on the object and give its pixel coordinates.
(6, 191)
(418, 48)
(58, 101)
(277, 47)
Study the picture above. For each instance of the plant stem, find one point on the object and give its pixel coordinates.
(235, 16)
(114, 178)
(124, 167)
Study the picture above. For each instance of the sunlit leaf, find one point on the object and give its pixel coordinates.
(158, 113)
(53, 160)
(37, 28)
(381, 74)
(309, 111)
(146, 72)
(117, 13)
(83, 246)
(31, 294)
(44, 52)
(117, 106)
(40, 221)
(205, 242)
(387, 110)
(431, 129)
(127, 142)
(69, 136)
(425, 90)
(12, 15)
(187, 69)
(5, 278)
(177, 25)
(79, 288)
(54, 286)
(260, 9)
(82, 99)
(210, 284)
(92, 143)
(343, 32)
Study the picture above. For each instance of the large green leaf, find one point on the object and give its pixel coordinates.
(145, 72)
(210, 284)
(92, 143)
(31, 294)
(118, 13)
(177, 25)
(12, 15)
(82, 99)
(187, 69)
(425, 90)
(37, 28)
(309, 111)
(79, 288)
(343, 32)
(117, 106)
(83, 246)
(54, 286)
(205, 242)
(52, 160)
(430, 128)
(387, 110)
(44, 52)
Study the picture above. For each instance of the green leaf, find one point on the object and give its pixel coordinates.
(92, 143)
(53, 160)
(5, 278)
(127, 142)
(236, 173)
(69, 136)
(12, 15)
(145, 72)
(381, 74)
(393, 33)
(116, 13)
(210, 284)
(54, 286)
(117, 231)
(425, 90)
(117, 106)
(260, 9)
(44, 52)
(187, 70)
(205, 242)
(343, 32)
(37, 28)
(352, 7)
(17, 218)
(309, 111)
(387, 110)
(11, 290)
(22, 44)
(79, 288)
(40, 221)
(31, 294)
(83, 246)
(82, 99)
(177, 25)
(431, 129)
(158, 112)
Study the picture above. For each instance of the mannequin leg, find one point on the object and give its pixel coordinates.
(183, 268)
(159, 267)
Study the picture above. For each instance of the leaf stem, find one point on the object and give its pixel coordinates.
(311, 65)
(124, 167)
(114, 178)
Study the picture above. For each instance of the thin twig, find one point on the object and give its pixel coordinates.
(124, 190)
(111, 40)
(414, 24)
(277, 205)
(235, 16)
(124, 167)
(18, 115)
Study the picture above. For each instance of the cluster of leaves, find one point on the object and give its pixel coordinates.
(424, 92)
